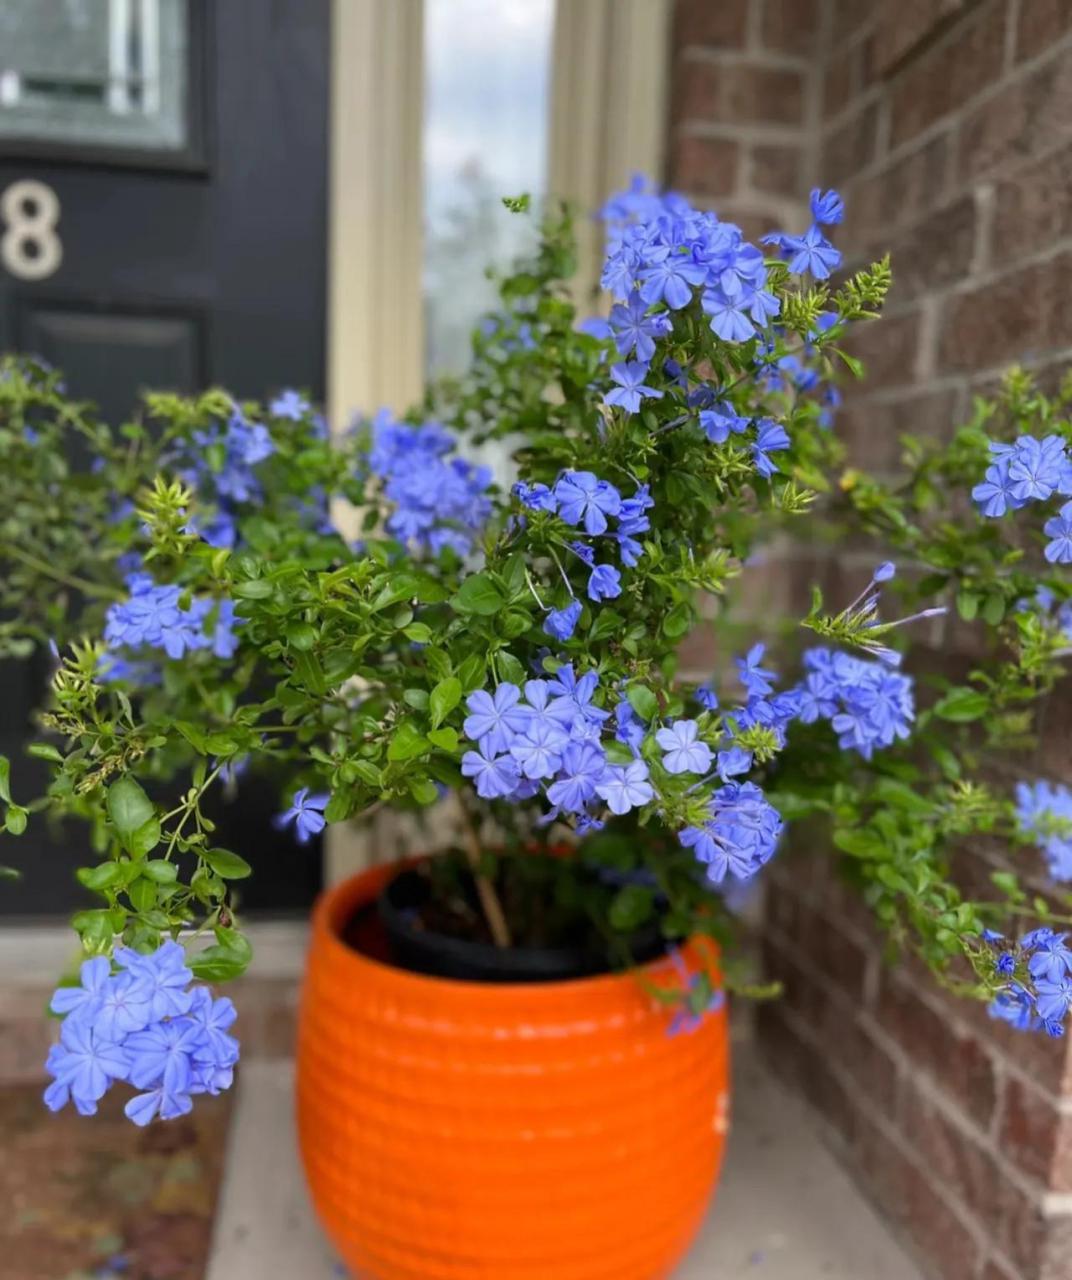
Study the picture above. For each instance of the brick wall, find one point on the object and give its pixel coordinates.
(947, 125)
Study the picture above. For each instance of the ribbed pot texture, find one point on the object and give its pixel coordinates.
(469, 1131)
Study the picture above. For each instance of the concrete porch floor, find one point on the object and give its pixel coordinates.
(785, 1209)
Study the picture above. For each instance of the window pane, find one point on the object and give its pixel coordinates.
(94, 72)
(487, 83)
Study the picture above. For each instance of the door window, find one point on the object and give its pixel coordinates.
(103, 74)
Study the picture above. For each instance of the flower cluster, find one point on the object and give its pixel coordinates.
(154, 617)
(219, 465)
(812, 253)
(551, 741)
(869, 704)
(1044, 811)
(740, 836)
(438, 501)
(1031, 470)
(583, 500)
(144, 1025)
(1040, 994)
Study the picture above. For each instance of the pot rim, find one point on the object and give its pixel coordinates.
(337, 904)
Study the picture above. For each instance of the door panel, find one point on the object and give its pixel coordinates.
(177, 189)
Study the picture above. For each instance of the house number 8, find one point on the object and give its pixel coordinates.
(29, 247)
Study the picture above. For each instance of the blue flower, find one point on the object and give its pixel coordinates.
(561, 623)
(625, 787)
(635, 330)
(162, 1054)
(827, 207)
(583, 552)
(868, 704)
(582, 496)
(630, 730)
(631, 389)
(82, 1003)
(537, 497)
(707, 697)
(538, 751)
(289, 404)
(1037, 467)
(1051, 958)
(83, 1066)
(1044, 810)
(718, 421)
(495, 720)
(1059, 529)
(307, 814)
(740, 836)
(757, 680)
(683, 751)
(812, 252)
(495, 775)
(732, 762)
(582, 767)
(770, 438)
(163, 977)
(670, 278)
(604, 583)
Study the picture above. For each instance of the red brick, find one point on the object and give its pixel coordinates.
(838, 82)
(777, 170)
(903, 26)
(1042, 24)
(904, 1193)
(894, 197)
(696, 90)
(760, 95)
(806, 1068)
(1032, 1127)
(936, 252)
(850, 15)
(1026, 118)
(1023, 312)
(872, 429)
(850, 147)
(716, 24)
(948, 76)
(995, 1271)
(704, 166)
(956, 1060)
(790, 26)
(955, 1159)
(888, 349)
(1034, 208)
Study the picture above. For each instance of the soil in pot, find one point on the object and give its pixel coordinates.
(428, 920)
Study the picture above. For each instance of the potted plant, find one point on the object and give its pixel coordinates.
(513, 1056)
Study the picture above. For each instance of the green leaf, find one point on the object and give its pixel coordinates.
(5, 779)
(479, 594)
(418, 632)
(142, 895)
(423, 790)
(15, 819)
(677, 621)
(255, 589)
(446, 739)
(967, 605)
(445, 697)
(300, 635)
(630, 907)
(406, 743)
(145, 839)
(510, 668)
(962, 705)
(193, 735)
(227, 865)
(643, 701)
(471, 672)
(45, 751)
(160, 871)
(128, 807)
(99, 877)
(367, 772)
(994, 610)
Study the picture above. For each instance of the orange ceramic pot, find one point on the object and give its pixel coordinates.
(469, 1131)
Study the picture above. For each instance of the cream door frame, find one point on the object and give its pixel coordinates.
(608, 120)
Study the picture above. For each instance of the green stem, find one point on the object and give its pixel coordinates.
(68, 579)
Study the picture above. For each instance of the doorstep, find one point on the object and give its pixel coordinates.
(785, 1209)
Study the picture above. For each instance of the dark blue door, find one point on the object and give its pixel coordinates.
(163, 180)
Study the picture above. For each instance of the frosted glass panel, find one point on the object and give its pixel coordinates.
(487, 82)
(103, 73)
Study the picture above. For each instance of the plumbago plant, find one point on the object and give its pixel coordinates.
(515, 645)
